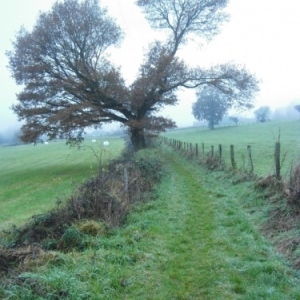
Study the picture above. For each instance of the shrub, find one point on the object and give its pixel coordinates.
(72, 238)
(150, 165)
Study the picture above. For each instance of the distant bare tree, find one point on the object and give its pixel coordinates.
(234, 119)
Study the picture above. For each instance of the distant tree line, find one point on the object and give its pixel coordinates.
(212, 107)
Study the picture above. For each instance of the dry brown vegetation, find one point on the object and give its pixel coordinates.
(284, 214)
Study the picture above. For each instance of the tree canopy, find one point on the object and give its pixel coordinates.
(211, 106)
(70, 84)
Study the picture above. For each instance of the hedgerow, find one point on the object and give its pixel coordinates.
(104, 199)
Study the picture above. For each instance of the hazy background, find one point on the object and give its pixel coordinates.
(263, 35)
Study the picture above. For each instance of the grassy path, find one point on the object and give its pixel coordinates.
(204, 246)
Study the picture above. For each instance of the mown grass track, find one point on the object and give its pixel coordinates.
(197, 243)
(214, 251)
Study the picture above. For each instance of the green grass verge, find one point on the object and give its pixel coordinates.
(32, 178)
(192, 241)
(260, 136)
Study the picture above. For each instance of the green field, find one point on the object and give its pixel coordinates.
(192, 241)
(197, 238)
(33, 178)
(260, 136)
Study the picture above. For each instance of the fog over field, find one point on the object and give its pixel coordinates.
(262, 35)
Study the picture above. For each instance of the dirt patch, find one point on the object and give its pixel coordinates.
(18, 258)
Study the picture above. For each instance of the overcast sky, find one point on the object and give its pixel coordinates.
(263, 35)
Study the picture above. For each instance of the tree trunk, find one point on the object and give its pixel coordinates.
(137, 137)
(211, 125)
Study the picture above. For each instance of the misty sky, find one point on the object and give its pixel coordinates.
(263, 35)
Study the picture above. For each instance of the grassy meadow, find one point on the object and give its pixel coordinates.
(260, 136)
(33, 178)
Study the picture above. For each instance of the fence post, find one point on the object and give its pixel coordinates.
(277, 160)
(250, 158)
(203, 149)
(220, 153)
(191, 147)
(212, 151)
(196, 149)
(232, 157)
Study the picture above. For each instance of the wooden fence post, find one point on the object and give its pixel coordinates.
(212, 151)
(203, 149)
(233, 164)
(220, 154)
(196, 149)
(250, 158)
(277, 161)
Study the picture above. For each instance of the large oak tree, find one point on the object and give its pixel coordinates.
(70, 84)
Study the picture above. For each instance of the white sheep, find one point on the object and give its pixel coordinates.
(46, 143)
(94, 141)
(106, 143)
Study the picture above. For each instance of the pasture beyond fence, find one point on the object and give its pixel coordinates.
(216, 155)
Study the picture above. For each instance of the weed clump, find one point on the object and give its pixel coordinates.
(269, 181)
(72, 239)
(293, 187)
(212, 162)
(91, 227)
